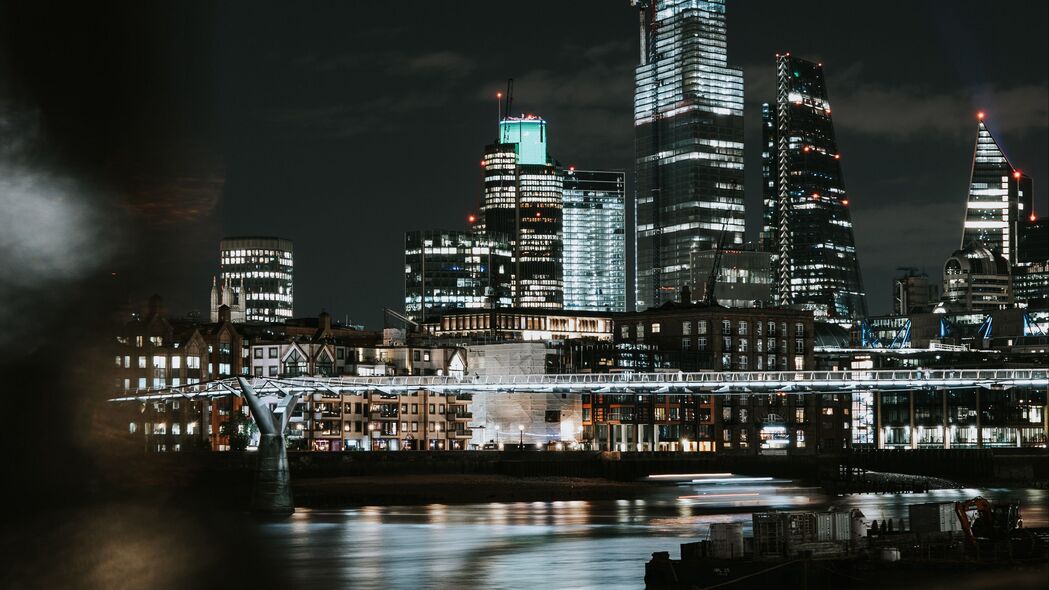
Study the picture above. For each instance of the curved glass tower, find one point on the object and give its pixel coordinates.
(688, 123)
(807, 225)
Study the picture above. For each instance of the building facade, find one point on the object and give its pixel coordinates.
(778, 423)
(1000, 199)
(699, 337)
(745, 277)
(524, 325)
(977, 278)
(264, 268)
(807, 225)
(1031, 272)
(688, 123)
(594, 240)
(446, 270)
(913, 292)
(523, 198)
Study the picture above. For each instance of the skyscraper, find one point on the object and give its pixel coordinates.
(264, 266)
(1000, 198)
(523, 200)
(688, 124)
(594, 240)
(807, 225)
(445, 270)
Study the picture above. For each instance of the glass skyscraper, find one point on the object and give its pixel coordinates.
(523, 200)
(594, 240)
(445, 270)
(1000, 199)
(807, 225)
(688, 122)
(264, 266)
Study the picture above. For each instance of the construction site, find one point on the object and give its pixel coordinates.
(940, 542)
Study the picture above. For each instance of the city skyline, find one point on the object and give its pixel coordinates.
(287, 166)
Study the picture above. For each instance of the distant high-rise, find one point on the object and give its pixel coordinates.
(264, 267)
(976, 278)
(688, 123)
(1000, 199)
(807, 225)
(594, 240)
(446, 270)
(523, 200)
(913, 292)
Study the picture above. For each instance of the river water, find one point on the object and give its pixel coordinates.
(549, 545)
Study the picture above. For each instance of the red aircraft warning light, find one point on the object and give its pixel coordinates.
(979, 115)
(1016, 174)
(471, 218)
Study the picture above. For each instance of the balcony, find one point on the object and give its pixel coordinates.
(462, 415)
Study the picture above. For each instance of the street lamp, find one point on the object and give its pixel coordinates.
(520, 428)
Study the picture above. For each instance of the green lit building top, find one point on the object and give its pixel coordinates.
(528, 133)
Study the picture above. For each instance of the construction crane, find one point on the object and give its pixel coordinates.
(715, 268)
(389, 313)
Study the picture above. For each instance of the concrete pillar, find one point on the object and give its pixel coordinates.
(271, 494)
(272, 491)
(879, 437)
(914, 431)
(946, 426)
(655, 437)
(979, 422)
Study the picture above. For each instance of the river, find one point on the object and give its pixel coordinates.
(549, 544)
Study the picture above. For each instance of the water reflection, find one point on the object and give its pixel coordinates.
(544, 544)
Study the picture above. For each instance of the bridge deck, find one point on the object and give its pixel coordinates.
(634, 383)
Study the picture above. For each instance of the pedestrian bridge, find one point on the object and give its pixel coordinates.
(734, 382)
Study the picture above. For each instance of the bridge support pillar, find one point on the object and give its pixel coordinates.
(272, 491)
(271, 494)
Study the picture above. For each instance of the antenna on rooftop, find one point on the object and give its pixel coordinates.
(509, 96)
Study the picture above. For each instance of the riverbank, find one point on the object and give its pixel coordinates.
(337, 492)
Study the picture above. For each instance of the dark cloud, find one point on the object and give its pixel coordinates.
(905, 112)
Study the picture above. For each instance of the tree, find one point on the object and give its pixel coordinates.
(238, 430)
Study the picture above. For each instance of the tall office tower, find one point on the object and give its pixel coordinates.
(445, 270)
(807, 225)
(688, 125)
(1000, 198)
(262, 267)
(594, 240)
(523, 200)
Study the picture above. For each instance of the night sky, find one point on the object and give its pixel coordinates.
(135, 136)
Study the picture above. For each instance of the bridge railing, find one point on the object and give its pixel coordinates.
(626, 382)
